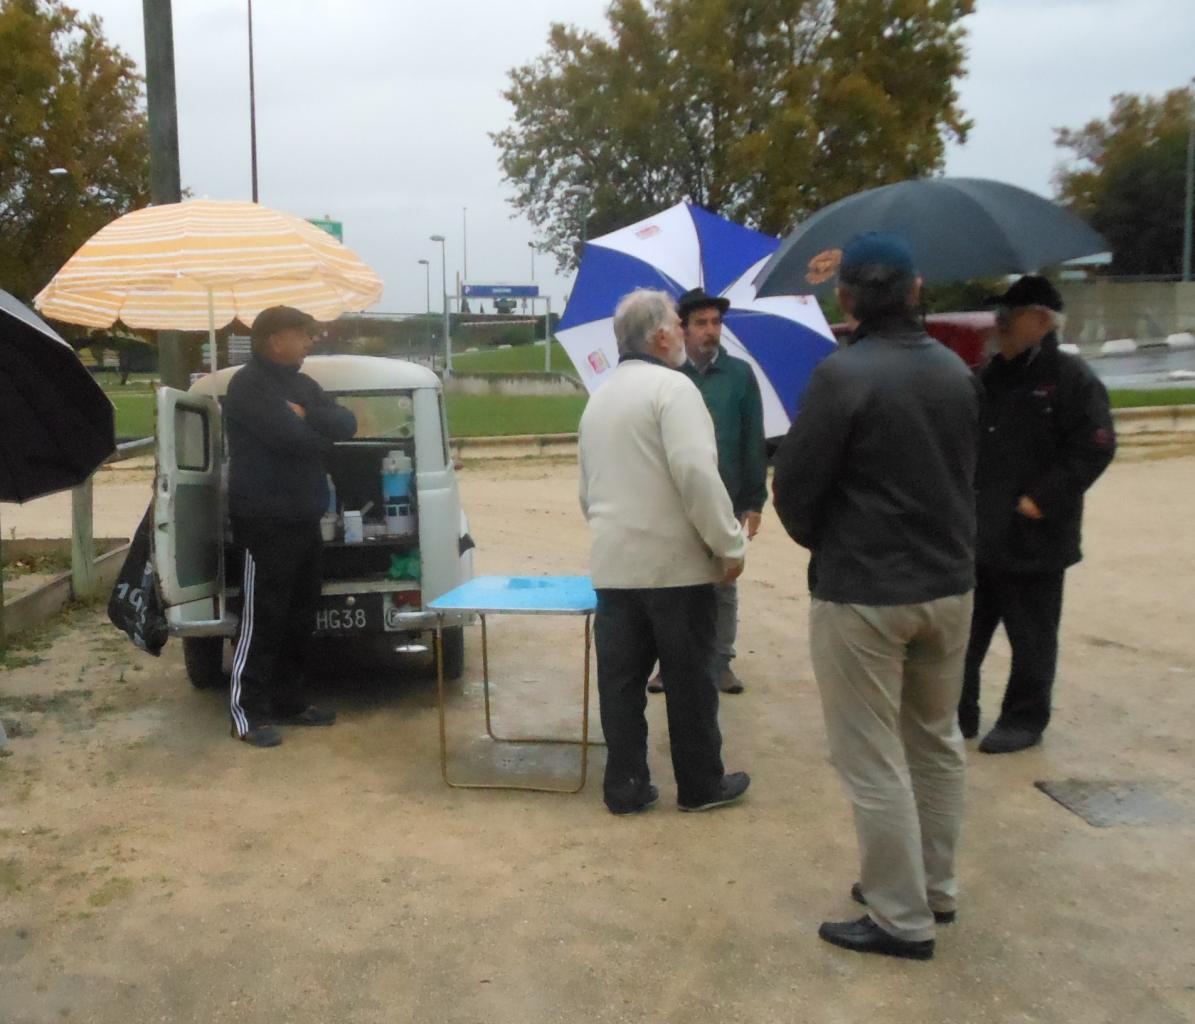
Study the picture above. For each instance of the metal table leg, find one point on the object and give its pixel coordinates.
(584, 741)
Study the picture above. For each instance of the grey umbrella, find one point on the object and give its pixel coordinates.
(958, 228)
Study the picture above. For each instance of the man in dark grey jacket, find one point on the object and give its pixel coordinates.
(280, 425)
(875, 478)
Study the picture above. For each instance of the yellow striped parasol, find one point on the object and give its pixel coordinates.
(203, 263)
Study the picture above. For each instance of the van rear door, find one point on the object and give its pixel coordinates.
(188, 504)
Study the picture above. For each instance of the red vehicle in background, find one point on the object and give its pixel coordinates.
(965, 334)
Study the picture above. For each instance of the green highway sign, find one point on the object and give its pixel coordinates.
(334, 227)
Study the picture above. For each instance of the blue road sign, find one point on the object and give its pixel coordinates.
(497, 291)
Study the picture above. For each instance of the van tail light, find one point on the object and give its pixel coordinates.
(407, 598)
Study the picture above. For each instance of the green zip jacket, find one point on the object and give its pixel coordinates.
(731, 394)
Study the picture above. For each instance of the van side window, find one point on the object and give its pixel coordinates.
(190, 439)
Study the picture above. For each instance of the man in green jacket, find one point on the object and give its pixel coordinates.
(731, 394)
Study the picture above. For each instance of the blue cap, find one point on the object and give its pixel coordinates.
(884, 254)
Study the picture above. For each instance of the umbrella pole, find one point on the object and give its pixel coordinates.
(211, 330)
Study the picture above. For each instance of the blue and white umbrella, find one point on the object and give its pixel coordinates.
(684, 247)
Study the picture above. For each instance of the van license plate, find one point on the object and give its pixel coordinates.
(336, 617)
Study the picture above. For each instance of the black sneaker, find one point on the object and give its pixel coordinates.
(262, 736)
(940, 916)
(729, 790)
(310, 715)
(655, 684)
(649, 798)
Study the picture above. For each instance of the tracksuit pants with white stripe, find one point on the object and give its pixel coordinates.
(280, 592)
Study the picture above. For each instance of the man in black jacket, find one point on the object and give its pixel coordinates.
(875, 477)
(1045, 436)
(280, 425)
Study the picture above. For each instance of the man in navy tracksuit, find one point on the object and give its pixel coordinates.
(280, 426)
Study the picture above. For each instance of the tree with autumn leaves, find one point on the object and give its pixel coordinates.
(760, 110)
(69, 100)
(1127, 178)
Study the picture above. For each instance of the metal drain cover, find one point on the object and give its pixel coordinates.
(1107, 804)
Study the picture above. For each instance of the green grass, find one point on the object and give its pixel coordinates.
(1143, 398)
(134, 403)
(517, 359)
(500, 415)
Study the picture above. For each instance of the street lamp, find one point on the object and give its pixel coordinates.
(1190, 197)
(465, 244)
(586, 193)
(427, 266)
(252, 109)
(427, 274)
(531, 246)
(444, 281)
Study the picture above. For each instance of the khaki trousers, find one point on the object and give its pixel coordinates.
(890, 678)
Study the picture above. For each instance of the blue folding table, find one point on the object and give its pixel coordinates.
(515, 595)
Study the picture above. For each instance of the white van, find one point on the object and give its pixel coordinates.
(374, 588)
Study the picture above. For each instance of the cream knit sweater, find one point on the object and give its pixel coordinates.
(658, 512)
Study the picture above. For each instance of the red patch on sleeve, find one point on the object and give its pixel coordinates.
(1103, 437)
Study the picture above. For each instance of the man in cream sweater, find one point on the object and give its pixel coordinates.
(663, 533)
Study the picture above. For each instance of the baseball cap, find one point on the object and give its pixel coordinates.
(876, 256)
(1030, 290)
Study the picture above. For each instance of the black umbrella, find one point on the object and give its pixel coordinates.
(56, 424)
(958, 228)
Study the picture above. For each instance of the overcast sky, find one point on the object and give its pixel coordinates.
(376, 112)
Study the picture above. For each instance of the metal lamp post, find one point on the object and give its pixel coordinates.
(252, 109)
(531, 246)
(427, 274)
(427, 266)
(444, 280)
(586, 193)
(1190, 196)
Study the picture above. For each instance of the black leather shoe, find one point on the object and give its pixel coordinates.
(309, 715)
(968, 722)
(730, 789)
(1006, 739)
(940, 916)
(649, 798)
(865, 936)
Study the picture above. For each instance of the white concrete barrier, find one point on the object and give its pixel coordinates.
(1118, 347)
(1184, 339)
(1069, 348)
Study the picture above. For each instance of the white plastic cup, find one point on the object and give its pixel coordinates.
(327, 527)
(354, 532)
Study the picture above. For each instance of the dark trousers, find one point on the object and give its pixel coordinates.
(634, 628)
(279, 594)
(1030, 606)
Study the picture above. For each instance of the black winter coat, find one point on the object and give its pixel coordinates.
(276, 460)
(1045, 432)
(877, 472)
